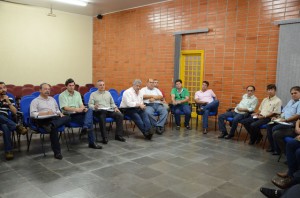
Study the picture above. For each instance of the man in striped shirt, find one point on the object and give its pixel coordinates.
(7, 126)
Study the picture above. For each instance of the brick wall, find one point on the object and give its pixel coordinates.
(240, 47)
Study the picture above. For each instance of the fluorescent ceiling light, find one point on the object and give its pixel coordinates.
(74, 2)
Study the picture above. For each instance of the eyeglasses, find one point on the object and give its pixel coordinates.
(250, 90)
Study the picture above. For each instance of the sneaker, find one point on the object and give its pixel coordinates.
(177, 127)
(188, 127)
(21, 129)
(9, 155)
(58, 156)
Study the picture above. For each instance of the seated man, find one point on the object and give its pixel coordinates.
(153, 101)
(7, 126)
(132, 103)
(241, 111)
(287, 179)
(71, 103)
(45, 105)
(180, 98)
(166, 105)
(102, 99)
(269, 107)
(278, 131)
(208, 101)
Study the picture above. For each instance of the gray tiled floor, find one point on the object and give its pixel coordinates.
(177, 164)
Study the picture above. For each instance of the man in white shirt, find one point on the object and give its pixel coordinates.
(241, 111)
(153, 100)
(132, 103)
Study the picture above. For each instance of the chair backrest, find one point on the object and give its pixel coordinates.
(119, 100)
(10, 95)
(93, 89)
(36, 94)
(76, 87)
(29, 85)
(56, 97)
(17, 91)
(60, 85)
(86, 98)
(63, 89)
(121, 92)
(10, 86)
(25, 108)
(27, 91)
(89, 85)
(82, 90)
(36, 88)
(55, 90)
(115, 95)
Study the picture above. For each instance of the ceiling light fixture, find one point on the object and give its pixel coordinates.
(74, 2)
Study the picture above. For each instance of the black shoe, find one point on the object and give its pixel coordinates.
(275, 153)
(177, 127)
(204, 131)
(223, 135)
(104, 141)
(259, 138)
(120, 138)
(148, 135)
(94, 146)
(227, 137)
(159, 130)
(251, 142)
(270, 193)
(270, 150)
(58, 156)
(188, 127)
(84, 131)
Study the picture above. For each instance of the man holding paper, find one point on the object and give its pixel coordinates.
(284, 126)
(269, 107)
(71, 103)
(104, 106)
(48, 116)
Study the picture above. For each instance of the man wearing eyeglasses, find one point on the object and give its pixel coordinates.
(284, 126)
(180, 97)
(269, 107)
(153, 100)
(241, 111)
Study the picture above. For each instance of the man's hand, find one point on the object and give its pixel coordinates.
(142, 106)
(297, 137)
(61, 115)
(117, 110)
(151, 99)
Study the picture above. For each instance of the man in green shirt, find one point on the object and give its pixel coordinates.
(180, 97)
(71, 103)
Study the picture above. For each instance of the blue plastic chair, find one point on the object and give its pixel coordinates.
(126, 117)
(115, 95)
(36, 94)
(93, 89)
(25, 109)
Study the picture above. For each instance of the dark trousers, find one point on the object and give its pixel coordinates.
(7, 126)
(86, 121)
(293, 156)
(253, 126)
(182, 109)
(56, 122)
(236, 118)
(140, 118)
(276, 134)
(102, 122)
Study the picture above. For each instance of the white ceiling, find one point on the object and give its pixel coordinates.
(93, 8)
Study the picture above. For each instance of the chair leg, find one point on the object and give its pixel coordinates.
(239, 133)
(42, 137)
(265, 142)
(216, 122)
(246, 138)
(29, 142)
(279, 157)
(65, 139)
(197, 122)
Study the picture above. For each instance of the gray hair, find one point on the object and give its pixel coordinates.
(137, 82)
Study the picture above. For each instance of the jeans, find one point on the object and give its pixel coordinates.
(236, 118)
(7, 126)
(140, 118)
(182, 109)
(293, 156)
(210, 107)
(102, 119)
(56, 122)
(86, 121)
(271, 128)
(253, 126)
(162, 112)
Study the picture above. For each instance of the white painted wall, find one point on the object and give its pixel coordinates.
(36, 48)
